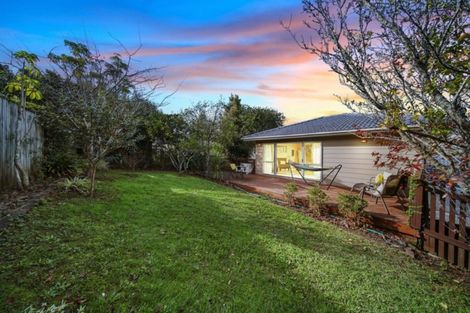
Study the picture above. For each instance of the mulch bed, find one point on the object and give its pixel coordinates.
(15, 203)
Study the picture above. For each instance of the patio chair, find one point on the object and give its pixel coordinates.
(243, 168)
(237, 171)
(282, 164)
(246, 168)
(382, 186)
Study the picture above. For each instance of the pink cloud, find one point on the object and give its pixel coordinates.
(252, 56)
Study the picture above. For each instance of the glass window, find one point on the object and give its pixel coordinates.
(312, 157)
(286, 152)
(268, 158)
(276, 158)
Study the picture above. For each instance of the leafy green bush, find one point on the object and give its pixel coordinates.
(59, 163)
(352, 206)
(291, 189)
(47, 309)
(61, 308)
(102, 165)
(317, 199)
(349, 203)
(76, 184)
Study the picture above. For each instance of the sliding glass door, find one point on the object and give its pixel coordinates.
(312, 157)
(276, 158)
(285, 152)
(268, 159)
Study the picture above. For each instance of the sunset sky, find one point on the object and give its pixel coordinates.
(210, 49)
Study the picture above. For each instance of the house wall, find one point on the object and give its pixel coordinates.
(259, 158)
(354, 155)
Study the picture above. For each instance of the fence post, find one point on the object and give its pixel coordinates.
(416, 219)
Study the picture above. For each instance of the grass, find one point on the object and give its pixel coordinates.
(158, 242)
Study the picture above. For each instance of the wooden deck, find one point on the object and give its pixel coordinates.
(274, 187)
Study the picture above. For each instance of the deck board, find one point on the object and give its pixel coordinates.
(274, 187)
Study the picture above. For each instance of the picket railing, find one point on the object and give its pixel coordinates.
(444, 222)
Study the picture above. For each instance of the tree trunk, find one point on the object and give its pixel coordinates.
(208, 160)
(92, 175)
(22, 178)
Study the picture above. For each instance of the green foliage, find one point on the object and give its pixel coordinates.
(240, 120)
(290, 190)
(204, 121)
(75, 184)
(100, 101)
(6, 75)
(413, 184)
(152, 237)
(61, 308)
(60, 156)
(23, 88)
(317, 199)
(58, 163)
(102, 165)
(351, 205)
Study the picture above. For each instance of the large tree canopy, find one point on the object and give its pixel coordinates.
(240, 120)
(410, 62)
(101, 100)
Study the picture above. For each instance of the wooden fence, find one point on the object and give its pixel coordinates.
(444, 222)
(31, 140)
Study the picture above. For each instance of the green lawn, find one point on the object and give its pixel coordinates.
(158, 242)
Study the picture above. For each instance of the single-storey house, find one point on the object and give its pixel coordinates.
(322, 142)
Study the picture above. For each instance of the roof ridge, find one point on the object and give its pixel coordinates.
(327, 116)
(323, 124)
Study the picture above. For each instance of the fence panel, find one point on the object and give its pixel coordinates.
(444, 221)
(31, 141)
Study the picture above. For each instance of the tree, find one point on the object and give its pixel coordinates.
(232, 129)
(60, 155)
(100, 99)
(257, 119)
(408, 61)
(240, 120)
(204, 121)
(22, 88)
(6, 75)
(171, 134)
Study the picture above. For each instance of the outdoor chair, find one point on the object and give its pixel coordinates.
(282, 164)
(246, 168)
(237, 171)
(242, 169)
(382, 186)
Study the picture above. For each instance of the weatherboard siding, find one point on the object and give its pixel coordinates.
(355, 156)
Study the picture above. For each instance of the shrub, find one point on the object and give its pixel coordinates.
(47, 309)
(102, 165)
(218, 165)
(291, 189)
(317, 199)
(61, 163)
(352, 206)
(76, 184)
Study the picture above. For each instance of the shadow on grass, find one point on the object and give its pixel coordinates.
(170, 243)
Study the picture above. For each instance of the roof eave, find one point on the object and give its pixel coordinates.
(319, 134)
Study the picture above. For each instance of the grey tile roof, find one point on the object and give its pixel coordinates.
(326, 125)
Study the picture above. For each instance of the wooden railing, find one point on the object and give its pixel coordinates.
(444, 224)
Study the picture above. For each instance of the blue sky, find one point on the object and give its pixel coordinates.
(209, 49)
